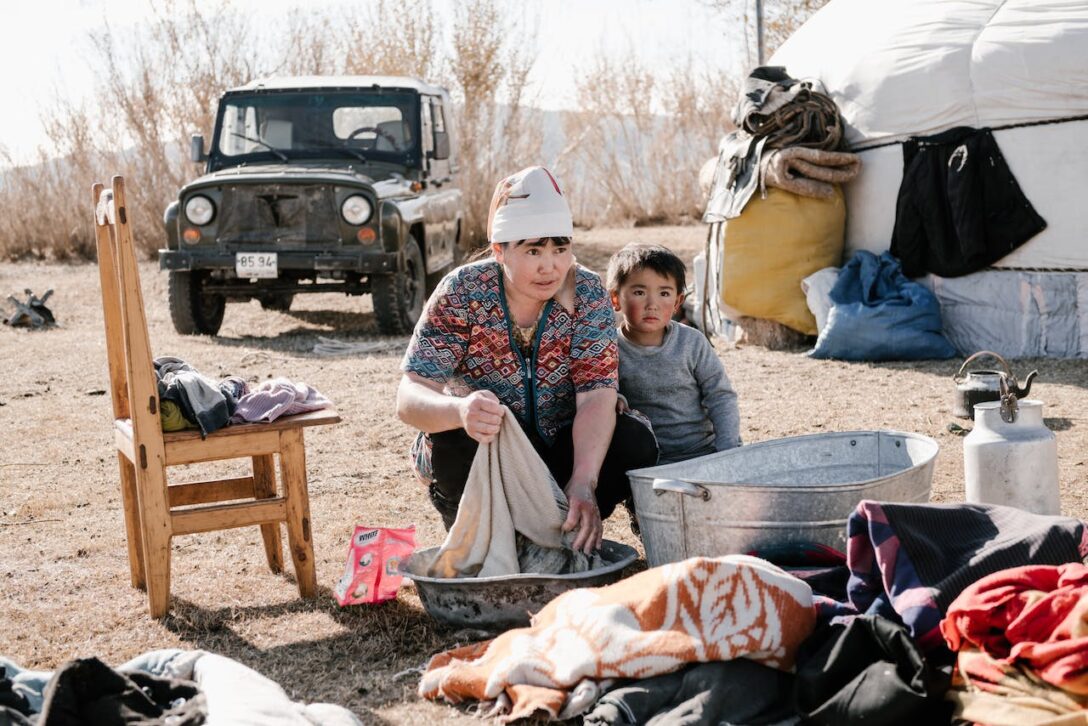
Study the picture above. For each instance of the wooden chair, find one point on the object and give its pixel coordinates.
(155, 511)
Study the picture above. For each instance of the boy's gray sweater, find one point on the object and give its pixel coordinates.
(682, 388)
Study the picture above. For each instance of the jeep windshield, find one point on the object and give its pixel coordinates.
(277, 126)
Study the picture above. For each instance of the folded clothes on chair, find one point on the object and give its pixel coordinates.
(275, 398)
(199, 399)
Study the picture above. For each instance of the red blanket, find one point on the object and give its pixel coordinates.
(1035, 616)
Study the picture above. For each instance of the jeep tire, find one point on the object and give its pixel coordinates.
(399, 298)
(194, 311)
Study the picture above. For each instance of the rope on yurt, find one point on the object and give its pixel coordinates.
(1024, 125)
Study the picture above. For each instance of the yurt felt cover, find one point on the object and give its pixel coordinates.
(900, 68)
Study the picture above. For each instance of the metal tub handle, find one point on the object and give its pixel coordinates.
(681, 487)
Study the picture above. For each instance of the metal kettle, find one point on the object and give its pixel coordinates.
(985, 385)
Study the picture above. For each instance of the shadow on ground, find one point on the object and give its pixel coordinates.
(374, 662)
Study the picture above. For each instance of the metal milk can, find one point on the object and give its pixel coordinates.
(1011, 457)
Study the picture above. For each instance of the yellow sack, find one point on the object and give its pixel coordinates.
(774, 244)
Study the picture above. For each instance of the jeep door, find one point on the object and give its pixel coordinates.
(442, 214)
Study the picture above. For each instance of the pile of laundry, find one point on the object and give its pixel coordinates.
(189, 399)
(168, 687)
(789, 135)
(990, 626)
(589, 643)
(775, 205)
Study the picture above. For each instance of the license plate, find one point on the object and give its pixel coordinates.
(256, 264)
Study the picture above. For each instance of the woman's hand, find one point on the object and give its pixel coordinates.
(583, 516)
(481, 415)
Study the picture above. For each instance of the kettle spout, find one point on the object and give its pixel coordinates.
(1023, 391)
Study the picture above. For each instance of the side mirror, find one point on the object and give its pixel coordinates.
(441, 145)
(196, 149)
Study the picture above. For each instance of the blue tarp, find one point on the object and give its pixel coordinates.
(878, 314)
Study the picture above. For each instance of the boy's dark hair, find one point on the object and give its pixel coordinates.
(638, 256)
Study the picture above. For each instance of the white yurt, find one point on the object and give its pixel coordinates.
(907, 68)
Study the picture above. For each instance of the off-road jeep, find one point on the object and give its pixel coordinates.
(317, 184)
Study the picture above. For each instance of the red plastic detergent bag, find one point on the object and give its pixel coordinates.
(374, 556)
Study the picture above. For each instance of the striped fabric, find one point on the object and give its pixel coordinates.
(464, 341)
(908, 562)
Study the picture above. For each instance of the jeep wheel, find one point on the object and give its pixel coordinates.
(399, 298)
(280, 303)
(194, 311)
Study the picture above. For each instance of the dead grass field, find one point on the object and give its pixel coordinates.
(64, 582)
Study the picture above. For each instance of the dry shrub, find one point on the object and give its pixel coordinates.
(160, 83)
(160, 86)
(780, 19)
(639, 139)
(497, 131)
(632, 152)
(156, 86)
(395, 38)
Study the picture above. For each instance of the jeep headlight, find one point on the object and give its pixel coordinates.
(199, 210)
(356, 210)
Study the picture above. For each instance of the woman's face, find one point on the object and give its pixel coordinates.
(534, 268)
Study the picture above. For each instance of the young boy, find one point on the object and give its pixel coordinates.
(668, 371)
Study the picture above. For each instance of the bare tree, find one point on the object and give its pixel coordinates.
(631, 151)
(639, 138)
(393, 38)
(780, 19)
(489, 70)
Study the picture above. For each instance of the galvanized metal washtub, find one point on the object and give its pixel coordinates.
(501, 603)
(790, 491)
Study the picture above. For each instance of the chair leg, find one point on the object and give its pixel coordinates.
(293, 473)
(133, 533)
(264, 487)
(156, 529)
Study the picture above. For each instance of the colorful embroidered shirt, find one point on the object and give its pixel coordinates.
(464, 341)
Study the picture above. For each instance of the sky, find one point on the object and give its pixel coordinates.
(44, 53)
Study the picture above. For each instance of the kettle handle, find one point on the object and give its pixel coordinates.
(958, 378)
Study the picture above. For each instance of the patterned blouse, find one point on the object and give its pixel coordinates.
(464, 340)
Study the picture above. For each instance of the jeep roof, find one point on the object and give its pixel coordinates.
(284, 83)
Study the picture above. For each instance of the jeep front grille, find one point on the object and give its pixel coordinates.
(290, 216)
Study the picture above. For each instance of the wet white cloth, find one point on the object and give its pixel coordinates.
(509, 492)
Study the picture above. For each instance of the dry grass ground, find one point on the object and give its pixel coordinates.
(64, 583)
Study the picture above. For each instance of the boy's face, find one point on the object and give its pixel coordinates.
(647, 300)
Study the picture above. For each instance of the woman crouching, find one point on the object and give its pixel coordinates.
(530, 329)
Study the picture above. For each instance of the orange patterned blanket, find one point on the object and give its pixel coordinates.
(654, 622)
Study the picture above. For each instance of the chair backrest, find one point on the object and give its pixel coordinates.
(111, 300)
(132, 373)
